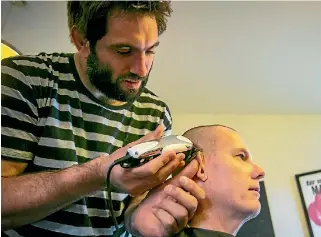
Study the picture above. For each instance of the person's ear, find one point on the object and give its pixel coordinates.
(201, 173)
(80, 42)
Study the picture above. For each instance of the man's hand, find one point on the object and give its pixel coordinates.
(167, 209)
(136, 181)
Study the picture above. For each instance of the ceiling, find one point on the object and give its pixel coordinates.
(215, 57)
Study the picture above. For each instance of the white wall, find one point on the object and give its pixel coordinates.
(5, 11)
(283, 146)
(39, 26)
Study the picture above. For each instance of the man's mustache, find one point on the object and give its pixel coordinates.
(132, 77)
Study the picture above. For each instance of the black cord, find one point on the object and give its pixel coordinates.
(110, 201)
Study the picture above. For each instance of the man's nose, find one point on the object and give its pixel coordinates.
(258, 173)
(139, 65)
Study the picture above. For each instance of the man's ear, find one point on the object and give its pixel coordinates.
(201, 173)
(80, 42)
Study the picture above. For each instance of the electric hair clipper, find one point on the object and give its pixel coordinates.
(142, 153)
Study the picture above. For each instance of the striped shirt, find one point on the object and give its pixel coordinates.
(51, 121)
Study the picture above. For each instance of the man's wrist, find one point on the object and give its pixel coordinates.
(101, 166)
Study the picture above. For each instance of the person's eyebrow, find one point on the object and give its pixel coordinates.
(154, 45)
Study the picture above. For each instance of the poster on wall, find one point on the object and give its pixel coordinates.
(309, 185)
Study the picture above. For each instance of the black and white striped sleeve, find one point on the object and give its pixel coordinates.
(19, 114)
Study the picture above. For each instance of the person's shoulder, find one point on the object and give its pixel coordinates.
(37, 64)
(34, 60)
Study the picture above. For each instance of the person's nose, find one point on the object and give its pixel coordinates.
(139, 65)
(258, 173)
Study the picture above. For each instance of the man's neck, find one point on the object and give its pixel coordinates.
(213, 218)
(80, 64)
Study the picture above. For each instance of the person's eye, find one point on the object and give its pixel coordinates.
(242, 156)
(124, 51)
(150, 52)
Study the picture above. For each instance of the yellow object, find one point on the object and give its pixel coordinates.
(7, 51)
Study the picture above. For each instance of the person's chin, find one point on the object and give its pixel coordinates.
(130, 96)
(130, 93)
(254, 207)
(250, 209)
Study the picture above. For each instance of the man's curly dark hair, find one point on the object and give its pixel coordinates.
(90, 17)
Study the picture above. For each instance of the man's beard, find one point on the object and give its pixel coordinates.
(102, 78)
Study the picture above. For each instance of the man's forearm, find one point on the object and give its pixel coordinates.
(28, 198)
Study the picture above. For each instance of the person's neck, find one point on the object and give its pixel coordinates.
(211, 217)
(80, 64)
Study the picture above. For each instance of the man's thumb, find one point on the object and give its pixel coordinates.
(189, 171)
(154, 135)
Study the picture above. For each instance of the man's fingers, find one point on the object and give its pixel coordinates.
(183, 198)
(168, 169)
(153, 166)
(189, 171)
(167, 220)
(175, 209)
(192, 187)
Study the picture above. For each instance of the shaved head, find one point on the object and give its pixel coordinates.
(200, 136)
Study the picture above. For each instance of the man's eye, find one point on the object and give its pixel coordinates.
(242, 156)
(124, 51)
(150, 52)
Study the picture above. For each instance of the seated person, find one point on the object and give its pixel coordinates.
(230, 180)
